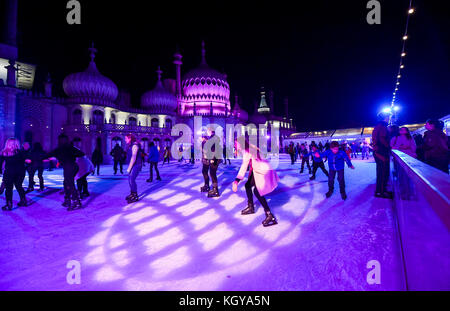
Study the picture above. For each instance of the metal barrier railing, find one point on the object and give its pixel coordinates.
(422, 208)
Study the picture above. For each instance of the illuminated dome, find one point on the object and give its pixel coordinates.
(159, 100)
(205, 86)
(90, 86)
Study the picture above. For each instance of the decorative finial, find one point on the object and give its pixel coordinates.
(92, 51)
(203, 52)
(159, 72)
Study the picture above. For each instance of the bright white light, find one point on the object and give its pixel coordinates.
(405, 37)
(396, 108)
(387, 110)
(403, 54)
(411, 11)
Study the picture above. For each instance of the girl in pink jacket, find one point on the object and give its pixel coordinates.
(261, 176)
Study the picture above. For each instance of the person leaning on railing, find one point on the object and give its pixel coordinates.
(435, 146)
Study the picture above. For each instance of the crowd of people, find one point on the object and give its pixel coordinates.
(19, 160)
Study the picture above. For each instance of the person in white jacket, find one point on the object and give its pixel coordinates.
(86, 167)
(404, 142)
(261, 176)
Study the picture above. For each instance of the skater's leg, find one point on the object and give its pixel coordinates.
(341, 180)
(331, 176)
(324, 170)
(248, 189)
(41, 177)
(156, 170)
(315, 167)
(205, 174)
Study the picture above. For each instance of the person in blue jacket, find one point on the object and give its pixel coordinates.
(336, 159)
(153, 159)
(317, 162)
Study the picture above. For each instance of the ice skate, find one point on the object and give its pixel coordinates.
(250, 209)
(344, 196)
(329, 193)
(29, 189)
(66, 202)
(22, 202)
(270, 220)
(312, 177)
(205, 188)
(134, 198)
(214, 192)
(76, 204)
(8, 206)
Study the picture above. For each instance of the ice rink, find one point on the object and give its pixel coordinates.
(175, 238)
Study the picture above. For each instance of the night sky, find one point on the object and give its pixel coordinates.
(337, 70)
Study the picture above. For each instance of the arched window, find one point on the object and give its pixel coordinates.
(113, 118)
(168, 123)
(98, 117)
(155, 122)
(77, 117)
(145, 144)
(132, 121)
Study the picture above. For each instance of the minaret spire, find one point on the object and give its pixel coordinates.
(203, 53)
(159, 72)
(92, 50)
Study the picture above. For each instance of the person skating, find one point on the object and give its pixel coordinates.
(26, 147)
(381, 154)
(86, 167)
(14, 158)
(2, 185)
(292, 152)
(97, 158)
(261, 177)
(37, 156)
(317, 162)
(210, 164)
(336, 159)
(166, 156)
(66, 154)
(305, 158)
(118, 154)
(365, 151)
(134, 152)
(153, 159)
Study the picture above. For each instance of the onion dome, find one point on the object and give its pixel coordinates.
(90, 86)
(159, 100)
(205, 85)
(238, 112)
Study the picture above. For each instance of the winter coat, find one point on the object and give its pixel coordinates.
(435, 145)
(380, 138)
(153, 154)
(266, 178)
(117, 153)
(403, 144)
(66, 154)
(336, 161)
(313, 155)
(85, 167)
(97, 157)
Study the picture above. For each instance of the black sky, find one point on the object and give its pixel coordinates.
(337, 70)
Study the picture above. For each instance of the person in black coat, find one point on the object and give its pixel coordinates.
(66, 154)
(14, 158)
(118, 154)
(37, 156)
(97, 159)
(381, 154)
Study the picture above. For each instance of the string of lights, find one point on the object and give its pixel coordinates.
(394, 108)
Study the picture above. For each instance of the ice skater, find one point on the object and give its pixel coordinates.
(166, 156)
(97, 159)
(210, 164)
(14, 158)
(37, 156)
(317, 162)
(153, 159)
(85, 168)
(305, 158)
(118, 154)
(336, 159)
(134, 166)
(261, 177)
(66, 154)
